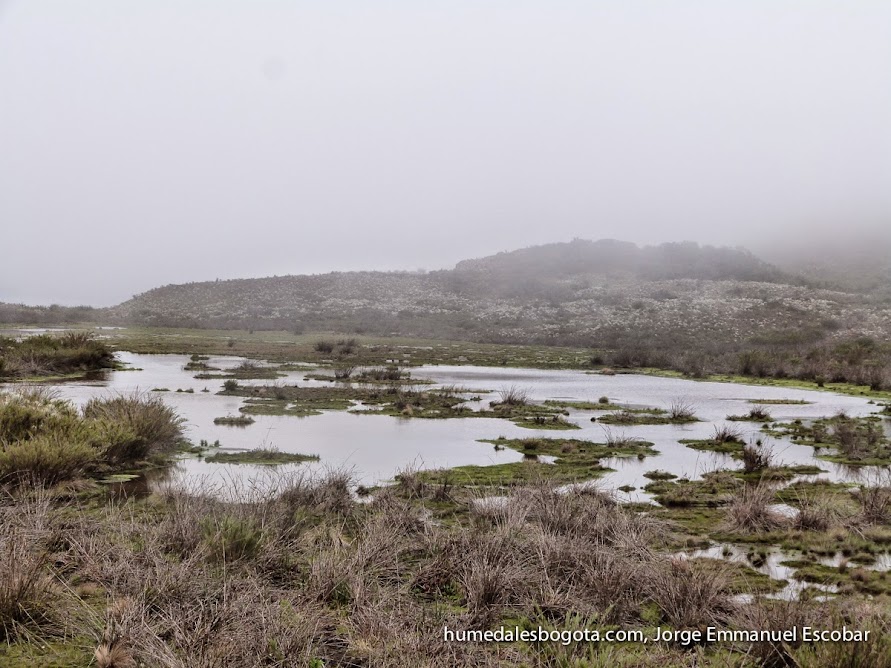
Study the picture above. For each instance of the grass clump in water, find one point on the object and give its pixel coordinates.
(234, 420)
(755, 414)
(584, 405)
(651, 416)
(264, 456)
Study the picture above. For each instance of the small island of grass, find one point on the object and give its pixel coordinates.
(263, 456)
(234, 420)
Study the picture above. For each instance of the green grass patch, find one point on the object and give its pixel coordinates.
(712, 445)
(234, 420)
(549, 422)
(647, 416)
(584, 405)
(263, 456)
(515, 474)
(575, 450)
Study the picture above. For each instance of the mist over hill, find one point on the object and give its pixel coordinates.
(858, 260)
(609, 257)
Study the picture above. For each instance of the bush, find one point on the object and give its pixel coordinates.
(29, 412)
(46, 354)
(151, 426)
(45, 440)
(324, 347)
(45, 459)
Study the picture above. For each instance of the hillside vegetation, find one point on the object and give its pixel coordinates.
(580, 292)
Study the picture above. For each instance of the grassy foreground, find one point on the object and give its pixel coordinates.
(308, 577)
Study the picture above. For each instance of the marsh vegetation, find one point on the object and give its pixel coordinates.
(45, 355)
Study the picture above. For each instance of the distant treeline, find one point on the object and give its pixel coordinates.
(858, 360)
(47, 315)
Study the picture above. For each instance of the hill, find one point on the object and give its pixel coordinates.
(580, 292)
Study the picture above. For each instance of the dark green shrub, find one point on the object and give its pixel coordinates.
(148, 425)
(45, 459)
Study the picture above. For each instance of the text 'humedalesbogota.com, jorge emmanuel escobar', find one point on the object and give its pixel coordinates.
(710, 634)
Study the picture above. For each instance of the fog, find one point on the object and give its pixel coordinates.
(151, 143)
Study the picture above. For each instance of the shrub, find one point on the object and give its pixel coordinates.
(30, 412)
(151, 426)
(230, 385)
(46, 354)
(45, 459)
(324, 347)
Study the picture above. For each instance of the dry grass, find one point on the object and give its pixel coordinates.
(750, 511)
(727, 434)
(690, 595)
(681, 410)
(817, 512)
(305, 576)
(875, 502)
(513, 396)
(29, 598)
(756, 458)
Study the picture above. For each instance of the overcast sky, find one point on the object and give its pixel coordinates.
(144, 143)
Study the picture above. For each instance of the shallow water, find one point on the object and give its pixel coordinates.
(375, 447)
(772, 567)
